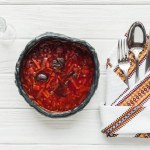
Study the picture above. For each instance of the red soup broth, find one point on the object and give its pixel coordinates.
(57, 75)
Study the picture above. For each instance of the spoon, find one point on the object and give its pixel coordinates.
(136, 41)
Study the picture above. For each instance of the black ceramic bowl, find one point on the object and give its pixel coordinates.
(93, 87)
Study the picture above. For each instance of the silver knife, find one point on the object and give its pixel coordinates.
(147, 67)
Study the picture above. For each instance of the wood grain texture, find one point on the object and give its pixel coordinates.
(26, 126)
(75, 2)
(8, 59)
(99, 22)
(10, 53)
(10, 97)
(88, 21)
(72, 147)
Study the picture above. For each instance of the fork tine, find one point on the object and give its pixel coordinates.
(123, 61)
(118, 52)
(122, 49)
(126, 49)
(125, 52)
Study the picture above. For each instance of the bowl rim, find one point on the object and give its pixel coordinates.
(93, 88)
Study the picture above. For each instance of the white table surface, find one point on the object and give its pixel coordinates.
(101, 23)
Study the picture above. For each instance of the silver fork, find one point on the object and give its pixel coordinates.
(123, 58)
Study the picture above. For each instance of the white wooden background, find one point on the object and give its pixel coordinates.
(101, 23)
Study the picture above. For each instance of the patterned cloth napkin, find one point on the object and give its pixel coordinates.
(126, 112)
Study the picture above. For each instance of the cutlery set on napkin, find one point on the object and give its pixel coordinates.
(126, 111)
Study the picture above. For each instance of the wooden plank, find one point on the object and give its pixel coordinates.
(7, 69)
(10, 53)
(75, 2)
(26, 126)
(10, 97)
(73, 147)
(89, 21)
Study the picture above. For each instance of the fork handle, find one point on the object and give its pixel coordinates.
(126, 77)
(137, 71)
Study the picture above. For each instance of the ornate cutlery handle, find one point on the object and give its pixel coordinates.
(131, 35)
(135, 45)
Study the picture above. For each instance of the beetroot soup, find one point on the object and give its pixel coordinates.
(57, 75)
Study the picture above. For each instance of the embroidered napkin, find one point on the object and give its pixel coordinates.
(126, 111)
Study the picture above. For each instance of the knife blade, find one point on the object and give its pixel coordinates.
(147, 68)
